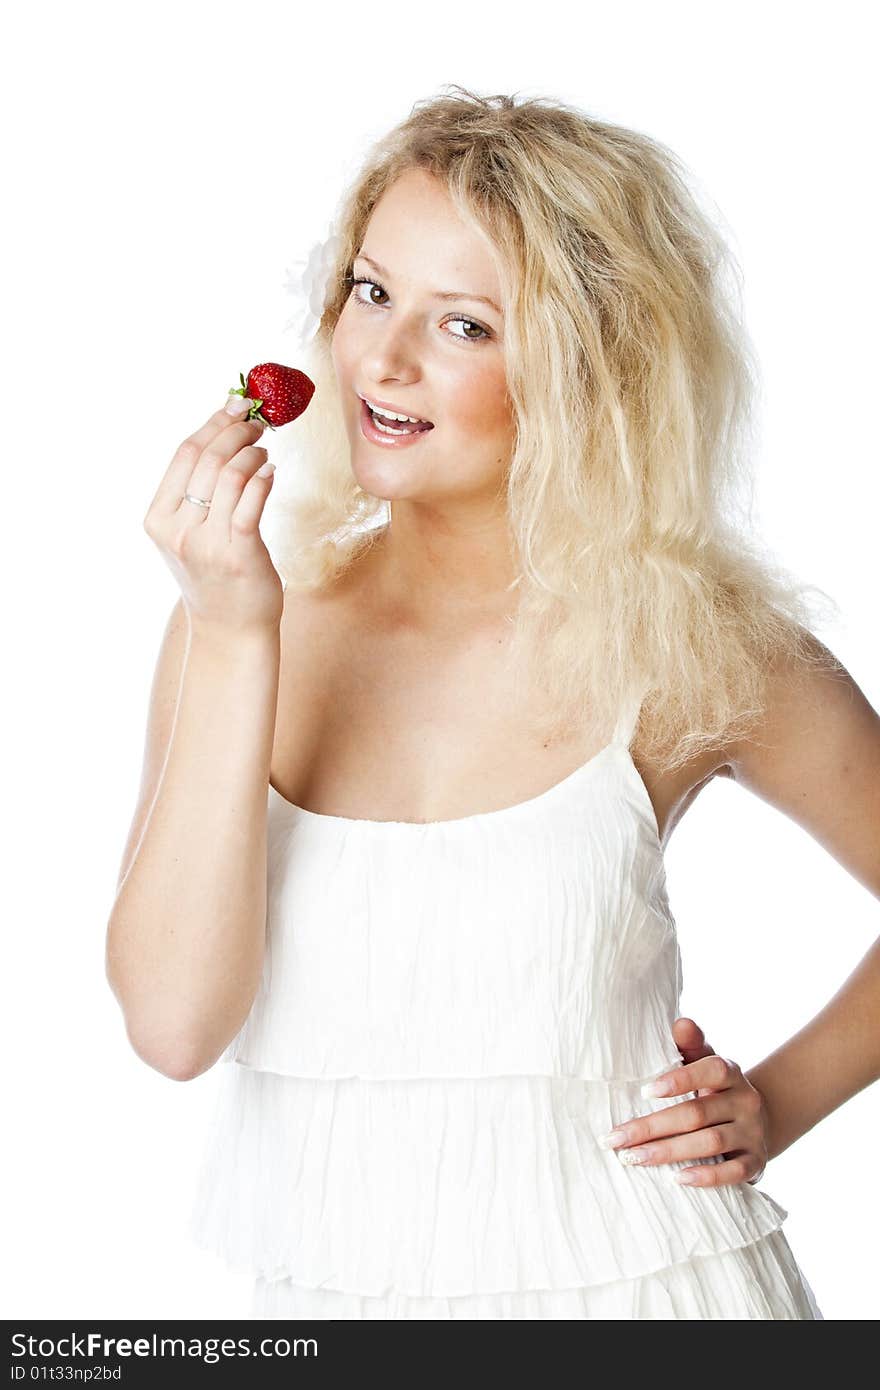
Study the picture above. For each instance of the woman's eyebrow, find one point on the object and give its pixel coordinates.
(438, 294)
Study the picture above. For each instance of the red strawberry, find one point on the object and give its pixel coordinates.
(282, 392)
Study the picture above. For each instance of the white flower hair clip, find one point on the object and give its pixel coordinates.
(308, 283)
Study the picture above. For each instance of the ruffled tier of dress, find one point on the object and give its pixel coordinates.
(759, 1281)
(468, 1188)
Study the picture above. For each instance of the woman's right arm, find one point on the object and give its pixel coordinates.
(186, 936)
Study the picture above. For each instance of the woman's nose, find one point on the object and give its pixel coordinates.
(394, 350)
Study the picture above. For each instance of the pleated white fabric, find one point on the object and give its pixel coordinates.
(450, 1014)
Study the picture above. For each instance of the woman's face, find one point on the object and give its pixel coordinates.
(400, 344)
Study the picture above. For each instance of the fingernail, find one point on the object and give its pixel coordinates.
(237, 405)
(610, 1141)
(266, 470)
(655, 1088)
(687, 1178)
(633, 1156)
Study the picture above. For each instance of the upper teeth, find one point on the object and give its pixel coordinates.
(389, 414)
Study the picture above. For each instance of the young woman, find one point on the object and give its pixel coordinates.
(398, 856)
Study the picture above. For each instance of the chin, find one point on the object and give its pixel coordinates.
(385, 482)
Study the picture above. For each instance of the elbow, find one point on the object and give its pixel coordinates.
(180, 1049)
(183, 1069)
(174, 1060)
(173, 1055)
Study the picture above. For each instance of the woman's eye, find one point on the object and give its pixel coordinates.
(461, 338)
(470, 324)
(367, 282)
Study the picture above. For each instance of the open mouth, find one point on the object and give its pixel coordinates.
(387, 424)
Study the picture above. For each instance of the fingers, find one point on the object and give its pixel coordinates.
(231, 448)
(685, 1115)
(249, 509)
(219, 438)
(712, 1071)
(689, 1037)
(703, 1143)
(238, 487)
(687, 1025)
(724, 1119)
(726, 1174)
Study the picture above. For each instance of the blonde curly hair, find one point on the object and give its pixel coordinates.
(632, 382)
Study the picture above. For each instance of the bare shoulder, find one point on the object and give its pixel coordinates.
(815, 755)
(814, 715)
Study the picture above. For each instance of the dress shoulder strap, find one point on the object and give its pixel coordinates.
(629, 715)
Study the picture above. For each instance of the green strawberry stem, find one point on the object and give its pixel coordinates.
(254, 412)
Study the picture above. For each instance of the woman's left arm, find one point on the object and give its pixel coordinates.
(816, 758)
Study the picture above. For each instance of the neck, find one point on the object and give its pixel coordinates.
(433, 566)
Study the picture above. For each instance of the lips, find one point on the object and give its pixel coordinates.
(396, 410)
(386, 438)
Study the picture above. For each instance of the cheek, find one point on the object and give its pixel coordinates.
(482, 406)
(339, 345)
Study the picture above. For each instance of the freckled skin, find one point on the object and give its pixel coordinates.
(425, 356)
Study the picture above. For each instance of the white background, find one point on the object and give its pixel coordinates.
(164, 166)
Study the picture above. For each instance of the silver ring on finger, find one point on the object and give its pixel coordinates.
(199, 501)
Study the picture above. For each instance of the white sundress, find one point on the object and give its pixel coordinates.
(450, 1015)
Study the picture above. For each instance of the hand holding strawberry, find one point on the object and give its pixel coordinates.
(278, 393)
(205, 516)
